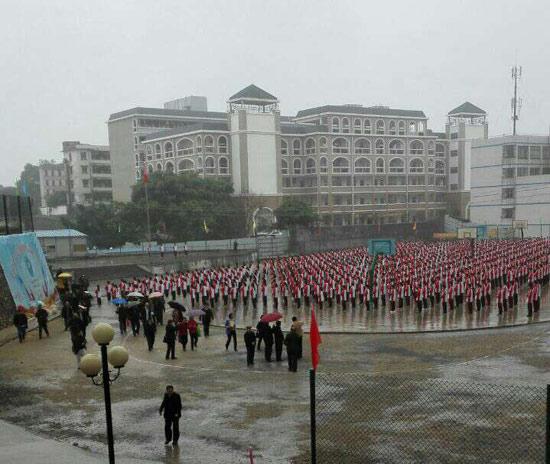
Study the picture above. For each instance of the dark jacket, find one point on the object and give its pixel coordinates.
(149, 328)
(79, 343)
(122, 312)
(292, 342)
(171, 405)
(268, 336)
(170, 335)
(250, 339)
(207, 316)
(41, 315)
(278, 335)
(20, 320)
(262, 327)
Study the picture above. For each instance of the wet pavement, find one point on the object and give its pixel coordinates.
(227, 407)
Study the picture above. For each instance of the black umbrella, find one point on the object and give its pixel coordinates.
(176, 305)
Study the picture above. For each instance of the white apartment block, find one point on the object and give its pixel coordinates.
(352, 164)
(89, 173)
(510, 180)
(53, 179)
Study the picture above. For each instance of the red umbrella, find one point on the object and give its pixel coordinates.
(272, 317)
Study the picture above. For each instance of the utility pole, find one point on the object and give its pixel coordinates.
(516, 102)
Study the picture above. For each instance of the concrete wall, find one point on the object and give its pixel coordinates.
(62, 247)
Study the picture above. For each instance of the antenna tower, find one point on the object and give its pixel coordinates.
(516, 102)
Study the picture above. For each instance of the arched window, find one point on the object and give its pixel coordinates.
(440, 167)
(440, 149)
(357, 126)
(199, 144)
(184, 147)
(366, 126)
(169, 168)
(323, 165)
(186, 165)
(169, 150)
(362, 147)
(380, 127)
(284, 147)
(417, 147)
(340, 166)
(159, 167)
(209, 164)
(284, 167)
(412, 127)
(322, 145)
(222, 144)
(362, 166)
(297, 167)
(310, 147)
(401, 128)
(209, 144)
(158, 151)
(393, 128)
(296, 147)
(223, 165)
(310, 166)
(396, 147)
(397, 166)
(335, 125)
(431, 148)
(150, 168)
(416, 166)
(380, 166)
(379, 147)
(340, 146)
(345, 125)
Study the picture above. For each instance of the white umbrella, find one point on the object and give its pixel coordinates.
(135, 294)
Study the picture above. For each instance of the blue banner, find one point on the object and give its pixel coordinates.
(26, 271)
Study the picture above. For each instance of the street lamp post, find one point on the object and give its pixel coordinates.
(92, 364)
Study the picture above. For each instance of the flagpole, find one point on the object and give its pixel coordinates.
(147, 211)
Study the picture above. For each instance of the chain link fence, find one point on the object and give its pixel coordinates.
(362, 419)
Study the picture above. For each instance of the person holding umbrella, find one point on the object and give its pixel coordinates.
(231, 332)
(250, 343)
(122, 312)
(268, 340)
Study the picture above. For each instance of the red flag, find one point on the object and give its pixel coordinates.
(314, 339)
(145, 176)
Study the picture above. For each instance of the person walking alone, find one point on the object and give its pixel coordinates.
(42, 318)
(292, 342)
(250, 343)
(170, 340)
(171, 407)
(207, 320)
(150, 329)
(230, 332)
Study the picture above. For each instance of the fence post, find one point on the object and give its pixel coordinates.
(547, 460)
(313, 424)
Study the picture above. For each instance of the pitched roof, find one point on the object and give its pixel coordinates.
(253, 92)
(467, 108)
(355, 109)
(199, 126)
(140, 110)
(59, 233)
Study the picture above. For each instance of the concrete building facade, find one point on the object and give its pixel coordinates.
(511, 182)
(53, 179)
(89, 173)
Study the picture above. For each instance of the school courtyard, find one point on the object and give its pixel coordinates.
(51, 409)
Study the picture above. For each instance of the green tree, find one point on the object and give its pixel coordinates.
(29, 184)
(294, 212)
(56, 199)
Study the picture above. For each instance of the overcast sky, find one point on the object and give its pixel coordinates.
(66, 65)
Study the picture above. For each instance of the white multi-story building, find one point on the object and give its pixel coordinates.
(510, 180)
(89, 173)
(465, 123)
(353, 164)
(53, 179)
